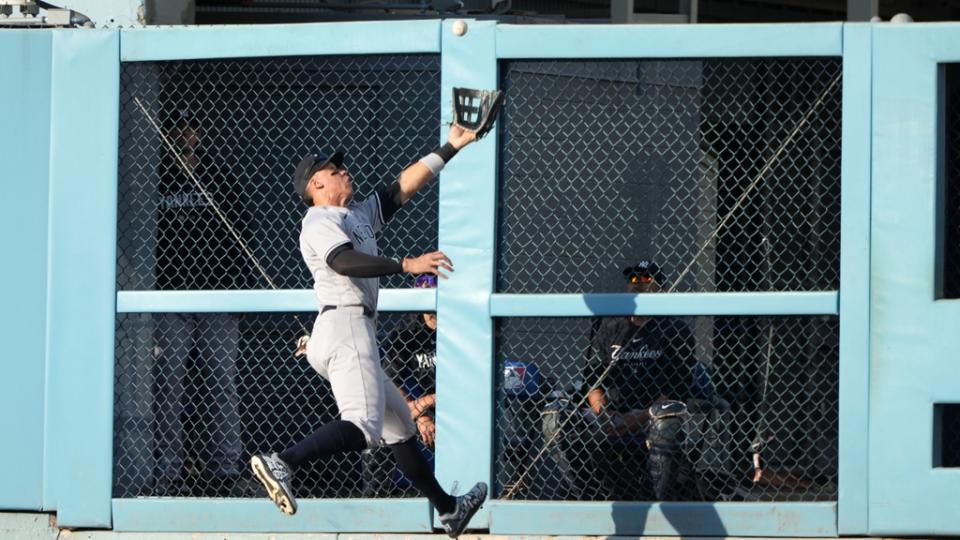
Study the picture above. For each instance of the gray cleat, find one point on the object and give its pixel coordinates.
(275, 475)
(455, 522)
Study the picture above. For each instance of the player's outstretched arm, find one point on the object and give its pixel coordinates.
(414, 177)
(346, 261)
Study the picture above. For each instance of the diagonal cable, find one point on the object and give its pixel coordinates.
(211, 202)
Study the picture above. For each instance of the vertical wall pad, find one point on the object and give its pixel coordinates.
(82, 267)
(913, 336)
(852, 504)
(468, 203)
(24, 137)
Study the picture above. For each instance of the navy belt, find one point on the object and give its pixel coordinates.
(367, 312)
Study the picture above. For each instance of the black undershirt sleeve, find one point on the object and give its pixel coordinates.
(349, 262)
(390, 200)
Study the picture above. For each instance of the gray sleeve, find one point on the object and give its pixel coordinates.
(324, 233)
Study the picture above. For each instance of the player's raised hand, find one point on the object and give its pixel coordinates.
(434, 263)
(460, 136)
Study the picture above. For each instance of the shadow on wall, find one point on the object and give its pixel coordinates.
(686, 519)
(656, 518)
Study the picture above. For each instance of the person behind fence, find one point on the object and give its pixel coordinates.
(410, 357)
(339, 246)
(640, 371)
(195, 251)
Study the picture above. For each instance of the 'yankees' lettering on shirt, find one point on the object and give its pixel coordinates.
(426, 360)
(648, 361)
(644, 353)
(361, 232)
(188, 199)
(194, 248)
(410, 357)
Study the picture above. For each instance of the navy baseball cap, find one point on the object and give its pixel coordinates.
(643, 268)
(310, 164)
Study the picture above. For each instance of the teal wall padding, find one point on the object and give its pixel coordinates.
(189, 43)
(259, 301)
(855, 280)
(82, 262)
(251, 515)
(467, 235)
(914, 338)
(25, 142)
(585, 305)
(669, 41)
(732, 519)
(898, 342)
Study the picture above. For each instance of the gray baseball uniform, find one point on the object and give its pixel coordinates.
(343, 345)
(337, 243)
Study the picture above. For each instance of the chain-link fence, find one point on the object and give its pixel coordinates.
(951, 178)
(760, 424)
(240, 126)
(724, 171)
(197, 394)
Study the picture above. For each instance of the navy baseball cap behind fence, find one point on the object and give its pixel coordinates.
(643, 268)
(310, 164)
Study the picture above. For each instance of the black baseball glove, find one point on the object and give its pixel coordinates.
(476, 110)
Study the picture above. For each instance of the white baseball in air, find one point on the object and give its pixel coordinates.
(459, 28)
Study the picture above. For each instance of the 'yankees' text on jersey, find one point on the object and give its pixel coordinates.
(195, 249)
(410, 357)
(651, 360)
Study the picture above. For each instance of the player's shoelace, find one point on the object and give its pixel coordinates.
(277, 468)
(467, 505)
(473, 498)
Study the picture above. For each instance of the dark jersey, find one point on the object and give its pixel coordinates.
(194, 249)
(411, 358)
(648, 361)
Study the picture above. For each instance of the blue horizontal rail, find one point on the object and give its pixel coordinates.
(261, 515)
(663, 519)
(586, 305)
(287, 300)
(669, 41)
(345, 38)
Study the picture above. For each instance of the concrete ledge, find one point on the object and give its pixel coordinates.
(28, 526)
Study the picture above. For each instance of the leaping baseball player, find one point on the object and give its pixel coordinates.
(339, 246)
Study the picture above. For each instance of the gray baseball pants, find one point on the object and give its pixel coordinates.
(343, 349)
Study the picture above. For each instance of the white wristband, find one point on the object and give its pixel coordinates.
(433, 162)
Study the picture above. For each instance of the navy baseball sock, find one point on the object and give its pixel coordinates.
(416, 469)
(333, 438)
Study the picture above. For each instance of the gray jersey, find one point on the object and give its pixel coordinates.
(328, 227)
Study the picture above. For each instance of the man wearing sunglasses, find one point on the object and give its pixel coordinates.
(647, 361)
(339, 246)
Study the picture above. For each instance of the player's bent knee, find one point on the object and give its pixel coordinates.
(399, 434)
(372, 431)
